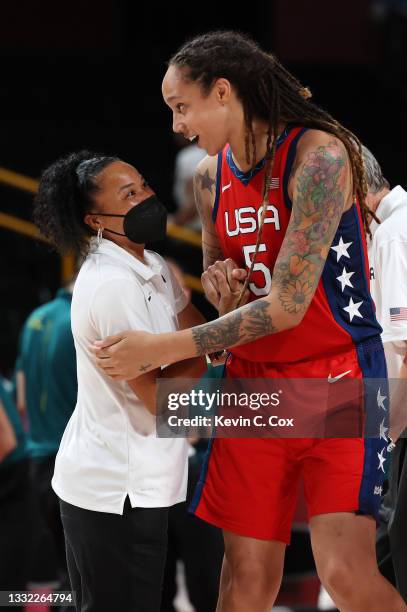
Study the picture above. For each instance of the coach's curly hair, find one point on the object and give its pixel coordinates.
(65, 196)
(267, 91)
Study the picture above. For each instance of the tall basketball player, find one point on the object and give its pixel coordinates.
(282, 193)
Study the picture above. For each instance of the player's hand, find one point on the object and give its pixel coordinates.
(126, 355)
(222, 283)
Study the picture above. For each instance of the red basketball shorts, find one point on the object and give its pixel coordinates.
(249, 486)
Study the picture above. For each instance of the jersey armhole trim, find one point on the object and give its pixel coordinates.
(292, 150)
(218, 175)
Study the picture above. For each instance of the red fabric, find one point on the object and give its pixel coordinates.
(238, 209)
(251, 485)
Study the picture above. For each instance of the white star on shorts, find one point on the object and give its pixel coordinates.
(380, 400)
(383, 430)
(353, 309)
(344, 279)
(381, 459)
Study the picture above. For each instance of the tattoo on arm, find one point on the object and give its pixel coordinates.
(243, 325)
(201, 182)
(210, 244)
(211, 253)
(206, 181)
(317, 208)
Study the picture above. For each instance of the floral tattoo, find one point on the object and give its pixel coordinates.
(319, 202)
(317, 207)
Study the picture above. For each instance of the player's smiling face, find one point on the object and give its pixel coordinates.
(203, 119)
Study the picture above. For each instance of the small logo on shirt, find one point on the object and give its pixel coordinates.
(226, 187)
(332, 379)
(273, 183)
(398, 314)
(378, 490)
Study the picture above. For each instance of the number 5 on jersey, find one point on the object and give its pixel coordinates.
(248, 250)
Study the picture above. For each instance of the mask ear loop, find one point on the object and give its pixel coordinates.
(99, 237)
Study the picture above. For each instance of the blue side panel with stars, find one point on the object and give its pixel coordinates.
(346, 286)
(376, 404)
(345, 281)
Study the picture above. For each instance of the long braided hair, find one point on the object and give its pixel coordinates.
(268, 92)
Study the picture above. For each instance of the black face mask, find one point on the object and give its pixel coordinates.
(145, 222)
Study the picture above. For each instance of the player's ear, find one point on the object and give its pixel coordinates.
(223, 90)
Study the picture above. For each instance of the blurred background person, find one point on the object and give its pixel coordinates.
(46, 391)
(388, 283)
(15, 499)
(186, 160)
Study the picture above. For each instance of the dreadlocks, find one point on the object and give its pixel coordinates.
(268, 92)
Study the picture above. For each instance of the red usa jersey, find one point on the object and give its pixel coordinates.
(341, 313)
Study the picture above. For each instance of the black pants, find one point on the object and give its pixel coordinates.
(15, 528)
(391, 545)
(200, 546)
(116, 562)
(50, 545)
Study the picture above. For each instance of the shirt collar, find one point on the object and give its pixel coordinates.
(146, 270)
(395, 198)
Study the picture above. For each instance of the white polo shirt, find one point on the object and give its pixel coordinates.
(388, 274)
(109, 449)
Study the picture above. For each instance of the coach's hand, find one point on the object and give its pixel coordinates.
(223, 283)
(126, 355)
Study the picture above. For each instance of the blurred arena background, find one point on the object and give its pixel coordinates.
(88, 74)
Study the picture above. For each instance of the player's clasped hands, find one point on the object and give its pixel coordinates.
(223, 283)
